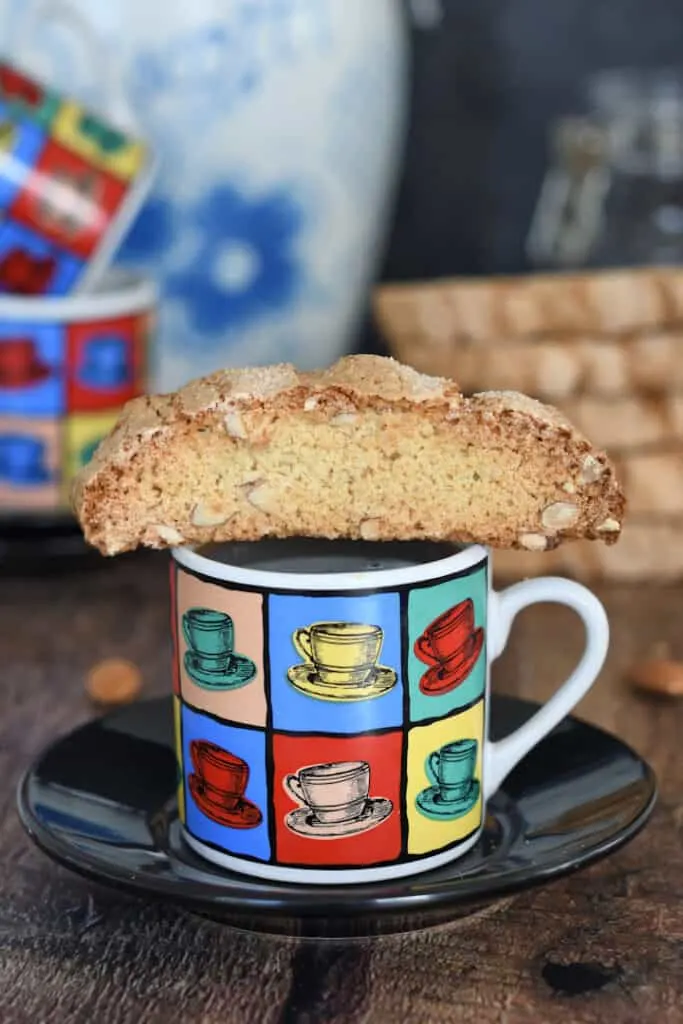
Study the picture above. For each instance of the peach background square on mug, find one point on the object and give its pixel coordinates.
(245, 703)
(41, 494)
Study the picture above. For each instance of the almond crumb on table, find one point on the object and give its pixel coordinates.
(114, 681)
(658, 675)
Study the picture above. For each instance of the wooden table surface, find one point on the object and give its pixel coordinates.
(604, 945)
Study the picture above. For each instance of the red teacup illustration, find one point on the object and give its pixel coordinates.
(218, 784)
(20, 363)
(15, 86)
(450, 646)
(24, 274)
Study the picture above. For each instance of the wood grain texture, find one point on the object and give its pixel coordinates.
(605, 944)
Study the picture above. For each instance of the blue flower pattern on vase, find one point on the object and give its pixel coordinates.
(152, 232)
(263, 227)
(246, 266)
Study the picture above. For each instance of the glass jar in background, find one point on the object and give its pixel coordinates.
(613, 195)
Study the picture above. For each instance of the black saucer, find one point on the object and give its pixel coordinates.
(102, 801)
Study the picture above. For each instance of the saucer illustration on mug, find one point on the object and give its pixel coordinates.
(20, 364)
(210, 659)
(450, 646)
(340, 662)
(335, 801)
(218, 784)
(455, 791)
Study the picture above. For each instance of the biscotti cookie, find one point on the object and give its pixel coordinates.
(366, 449)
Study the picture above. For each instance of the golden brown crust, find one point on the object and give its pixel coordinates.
(368, 448)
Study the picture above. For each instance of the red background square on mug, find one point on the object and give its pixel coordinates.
(105, 363)
(380, 843)
(102, 190)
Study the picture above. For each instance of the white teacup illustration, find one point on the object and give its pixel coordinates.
(335, 800)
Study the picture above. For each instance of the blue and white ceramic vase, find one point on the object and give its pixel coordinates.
(279, 124)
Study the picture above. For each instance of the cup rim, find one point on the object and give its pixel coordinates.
(119, 293)
(355, 766)
(370, 580)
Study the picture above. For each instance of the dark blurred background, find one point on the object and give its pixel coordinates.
(488, 82)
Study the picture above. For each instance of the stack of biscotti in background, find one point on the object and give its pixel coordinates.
(607, 349)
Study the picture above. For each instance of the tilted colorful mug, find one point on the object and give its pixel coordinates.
(303, 783)
(71, 185)
(68, 365)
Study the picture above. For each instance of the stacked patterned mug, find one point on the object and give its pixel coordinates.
(74, 332)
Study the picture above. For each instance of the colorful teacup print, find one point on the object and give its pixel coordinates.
(62, 387)
(328, 747)
(21, 363)
(444, 799)
(218, 784)
(340, 661)
(210, 658)
(68, 184)
(454, 790)
(335, 800)
(29, 463)
(450, 646)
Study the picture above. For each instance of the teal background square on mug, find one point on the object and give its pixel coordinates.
(426, 604)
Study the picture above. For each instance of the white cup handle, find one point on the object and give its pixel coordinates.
(500, 758)
(101, 66)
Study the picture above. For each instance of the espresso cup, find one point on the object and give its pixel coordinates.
(452, 768)
(334, 792)
(223, 775)
(210, 634)
(342, 653)
(392, 782)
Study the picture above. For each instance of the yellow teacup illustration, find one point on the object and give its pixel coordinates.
(342, 653)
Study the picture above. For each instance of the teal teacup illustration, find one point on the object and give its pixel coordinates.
(454, 790)
(211, 660)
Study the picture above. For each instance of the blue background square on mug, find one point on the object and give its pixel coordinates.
(67, 268)
(44, 393)
(20, 153)
(295, 711)
(106, 362)
(250, 745)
